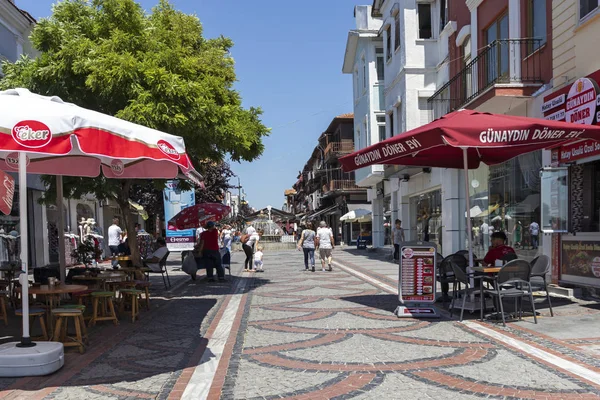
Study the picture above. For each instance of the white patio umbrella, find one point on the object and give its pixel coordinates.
(499, 218)
(45, 135)
(354, 215)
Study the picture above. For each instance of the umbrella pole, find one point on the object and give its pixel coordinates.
(24, 277)
(62, 258)
(468, 204)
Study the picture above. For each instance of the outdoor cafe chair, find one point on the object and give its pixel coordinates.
(462, 278)
(163, 271)
(540, 267)
(512, 281)
(445, 273)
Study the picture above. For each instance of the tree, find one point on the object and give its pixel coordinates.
(153, 69)
(216, 179)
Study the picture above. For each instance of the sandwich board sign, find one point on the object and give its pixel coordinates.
(416, 283)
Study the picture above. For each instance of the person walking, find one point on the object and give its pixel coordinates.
(398, 235)
(115, 236)
(534, 231)
(227, 237)
(208, 250)
(307, 244)
(325, 244)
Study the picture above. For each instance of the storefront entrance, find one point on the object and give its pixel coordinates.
(426, 217)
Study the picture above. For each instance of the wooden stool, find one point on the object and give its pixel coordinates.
(131, 296)
(4, 314)
(82, 308)
(85, 296)
(40, 314)
(104, 300)
(62, 316)
(145, 286)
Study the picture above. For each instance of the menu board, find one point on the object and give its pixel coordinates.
(417, 274)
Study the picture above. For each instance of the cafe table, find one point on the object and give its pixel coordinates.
(52, 295)
(487, 270)
(132, 270)
(124, 261)
(101, 279)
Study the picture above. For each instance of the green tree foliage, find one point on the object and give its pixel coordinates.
(153, 69)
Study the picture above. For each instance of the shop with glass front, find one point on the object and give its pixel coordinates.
(506, 198)
(426, 217)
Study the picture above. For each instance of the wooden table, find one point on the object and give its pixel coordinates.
(132, 270)
(52, 292)
(124, 261)
(487, 270)
(101, 279)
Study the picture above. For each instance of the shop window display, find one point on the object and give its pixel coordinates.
(506, 198)
(426, 217)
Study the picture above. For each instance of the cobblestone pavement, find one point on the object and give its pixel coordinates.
(287, 333)
(323, 335)
(144, 359)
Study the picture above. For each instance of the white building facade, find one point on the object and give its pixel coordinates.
(427, 201)
(364, 59)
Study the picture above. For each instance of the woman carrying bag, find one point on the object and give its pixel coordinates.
(307, 244)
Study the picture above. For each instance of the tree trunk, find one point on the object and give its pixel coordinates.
(123, 202)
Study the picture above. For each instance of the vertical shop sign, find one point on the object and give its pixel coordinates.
(416, 285)
(176, 200)
(581, 102)
(7, 192)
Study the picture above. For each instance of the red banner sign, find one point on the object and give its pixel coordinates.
(578, 150)
(7, 192)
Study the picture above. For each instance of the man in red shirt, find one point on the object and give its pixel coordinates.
(208, 250)
(498, 249)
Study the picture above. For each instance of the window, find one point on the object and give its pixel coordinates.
(496, 58)
(391, 121)
(586, 7)
(356, 85)
(381, 127)
(537, 23)
(364, 74)
(399, 118)
(443, 14)
(367, 133)
(380, 63)
(358, 146)
(424, 10)
(388, 43)
(397, 30)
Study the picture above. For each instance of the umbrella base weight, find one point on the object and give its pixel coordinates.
(42, 359)
(427, 311)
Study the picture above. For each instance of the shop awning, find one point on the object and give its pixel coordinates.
(323, 212)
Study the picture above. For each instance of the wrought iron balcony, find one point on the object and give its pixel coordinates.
(345, 184)
(502, 62)
(336, 149)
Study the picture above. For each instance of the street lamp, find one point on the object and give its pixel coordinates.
(269, 210)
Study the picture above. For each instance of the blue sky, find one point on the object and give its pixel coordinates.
(288, 61)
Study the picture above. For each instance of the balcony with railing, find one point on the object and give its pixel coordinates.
(505, 70)
(341, 185)
(337, 149)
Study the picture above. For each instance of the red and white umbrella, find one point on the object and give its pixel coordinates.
(64, 139)
(45, 135)
(195, 216)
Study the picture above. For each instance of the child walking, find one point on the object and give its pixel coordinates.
(258, 259)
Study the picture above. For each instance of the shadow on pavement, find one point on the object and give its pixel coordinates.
(155, 349)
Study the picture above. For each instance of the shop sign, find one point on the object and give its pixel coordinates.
(417, 274)
(7, 192)
(553, 103)
(557, 116)
(581, 258)
(581, 102)
(579, 150)
(176, 200)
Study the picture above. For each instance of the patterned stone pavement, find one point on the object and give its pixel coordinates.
(322, 335)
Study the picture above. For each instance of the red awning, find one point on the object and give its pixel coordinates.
(488, 138)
